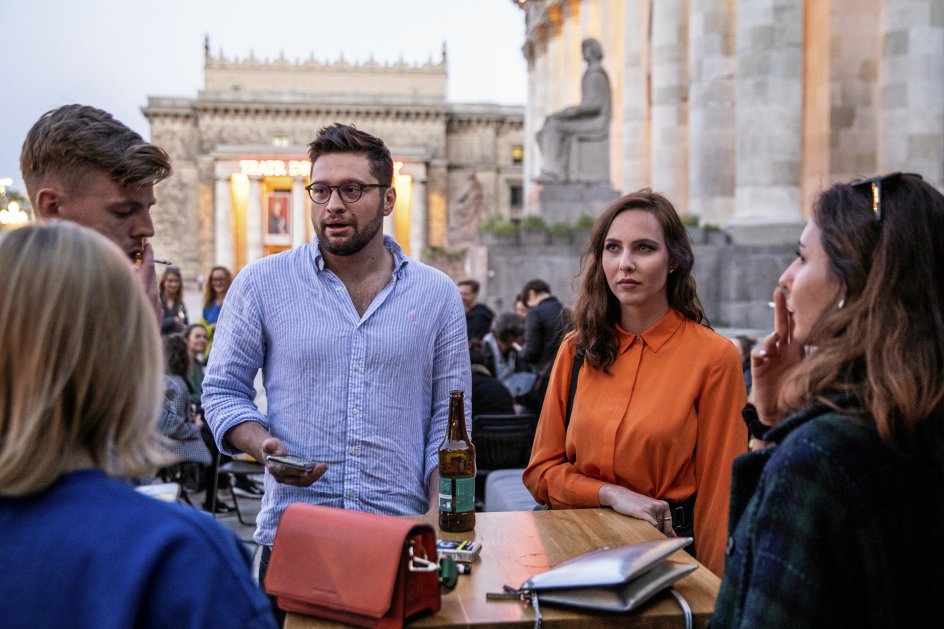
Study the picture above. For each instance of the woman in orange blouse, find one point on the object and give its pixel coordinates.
(656, 412)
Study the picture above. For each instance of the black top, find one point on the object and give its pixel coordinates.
(489, 396)
(478, 321)
(546, 325)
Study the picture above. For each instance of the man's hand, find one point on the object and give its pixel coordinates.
(254, 440)
(285, 474)
(144, 270)
(628, 502)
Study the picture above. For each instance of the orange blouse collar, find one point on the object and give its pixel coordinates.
(656, 336)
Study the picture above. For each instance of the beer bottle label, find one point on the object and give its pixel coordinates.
(456, 495)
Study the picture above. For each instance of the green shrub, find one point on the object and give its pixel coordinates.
(561, 229)
(497, 225)
(533, 223)
(584, 221)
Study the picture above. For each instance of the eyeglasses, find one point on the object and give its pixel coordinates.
(349, 191)
(875, 185)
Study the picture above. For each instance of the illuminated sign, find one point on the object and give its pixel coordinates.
(275, 168)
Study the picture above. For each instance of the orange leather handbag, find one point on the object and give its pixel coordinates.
(359, 568)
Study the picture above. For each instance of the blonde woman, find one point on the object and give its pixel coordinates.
(79, 399)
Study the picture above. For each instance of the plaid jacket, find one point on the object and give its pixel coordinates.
(830, 528)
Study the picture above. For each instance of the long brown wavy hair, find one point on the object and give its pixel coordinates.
(597, 311)
(887, 343)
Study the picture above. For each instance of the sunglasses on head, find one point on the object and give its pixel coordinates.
(874, 186)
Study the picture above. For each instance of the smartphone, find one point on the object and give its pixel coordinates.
(295, 462)
(462, 550)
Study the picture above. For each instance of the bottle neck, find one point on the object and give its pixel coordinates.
(457, 429)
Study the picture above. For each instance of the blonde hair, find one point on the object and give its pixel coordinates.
(80, 360)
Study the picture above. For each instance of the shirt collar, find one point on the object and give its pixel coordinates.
(399, 258)
(656, 336)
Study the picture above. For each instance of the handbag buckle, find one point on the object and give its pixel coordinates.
(420, 564)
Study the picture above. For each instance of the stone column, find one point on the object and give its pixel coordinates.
(418, 218)
(912, 80)
(670, 101)
(591, 20)
(573, 57)
(854, 87)
(636, 114)
(254, 221)
(222, 225)
(436, 211)
(611, 18)
(769, 121)
(554, 93)
(300, 212)
(711, 112)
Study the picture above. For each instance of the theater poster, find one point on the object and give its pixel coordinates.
(278, 218)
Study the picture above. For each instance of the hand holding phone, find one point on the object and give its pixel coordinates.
(294, 462)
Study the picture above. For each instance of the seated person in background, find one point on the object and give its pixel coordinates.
(81, 393)
(503, 343)
(182, 421)
(656, 417)
(181, 425)
(840, 523)
(196, 337)
(489, 396)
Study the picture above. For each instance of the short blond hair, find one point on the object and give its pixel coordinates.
(80, 359)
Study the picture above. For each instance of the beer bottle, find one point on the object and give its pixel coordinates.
(456, 472)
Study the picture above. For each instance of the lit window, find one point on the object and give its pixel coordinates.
(280, 141)
(517, 154)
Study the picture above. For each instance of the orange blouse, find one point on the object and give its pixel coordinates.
(665, 422)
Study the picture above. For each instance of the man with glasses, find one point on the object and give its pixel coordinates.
(359, 347)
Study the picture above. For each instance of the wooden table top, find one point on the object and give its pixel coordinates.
(517, 545)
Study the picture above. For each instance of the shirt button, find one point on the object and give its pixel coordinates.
(353, 452)
(351, 493)
(353, 411)
(358, 366)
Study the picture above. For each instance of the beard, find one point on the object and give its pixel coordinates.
(352, 244)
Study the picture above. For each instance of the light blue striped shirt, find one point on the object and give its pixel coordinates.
(367, 395)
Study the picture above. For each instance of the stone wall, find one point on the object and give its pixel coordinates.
(735, 282)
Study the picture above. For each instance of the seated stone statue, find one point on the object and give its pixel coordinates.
(589, 120)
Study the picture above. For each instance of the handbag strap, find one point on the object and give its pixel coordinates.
(574, 373)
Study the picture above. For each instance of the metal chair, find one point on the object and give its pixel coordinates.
(501, 442)
(236, 469)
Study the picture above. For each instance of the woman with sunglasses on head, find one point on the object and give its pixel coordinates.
(654, 422)
(79, 400)
(840, 521)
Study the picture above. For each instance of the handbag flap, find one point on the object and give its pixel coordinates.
(341, 559)
(624, 597)
(606, 566)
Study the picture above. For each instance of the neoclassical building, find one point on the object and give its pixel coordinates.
(741, 110)
(239, 149)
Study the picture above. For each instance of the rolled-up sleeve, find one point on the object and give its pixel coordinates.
(451, 372)
(238, 352)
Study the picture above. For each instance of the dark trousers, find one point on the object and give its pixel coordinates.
(263, 568)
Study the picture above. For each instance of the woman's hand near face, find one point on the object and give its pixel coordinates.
(771, 360)
(628, 502)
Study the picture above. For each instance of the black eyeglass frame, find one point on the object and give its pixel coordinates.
(875, 184)
(361, 186)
